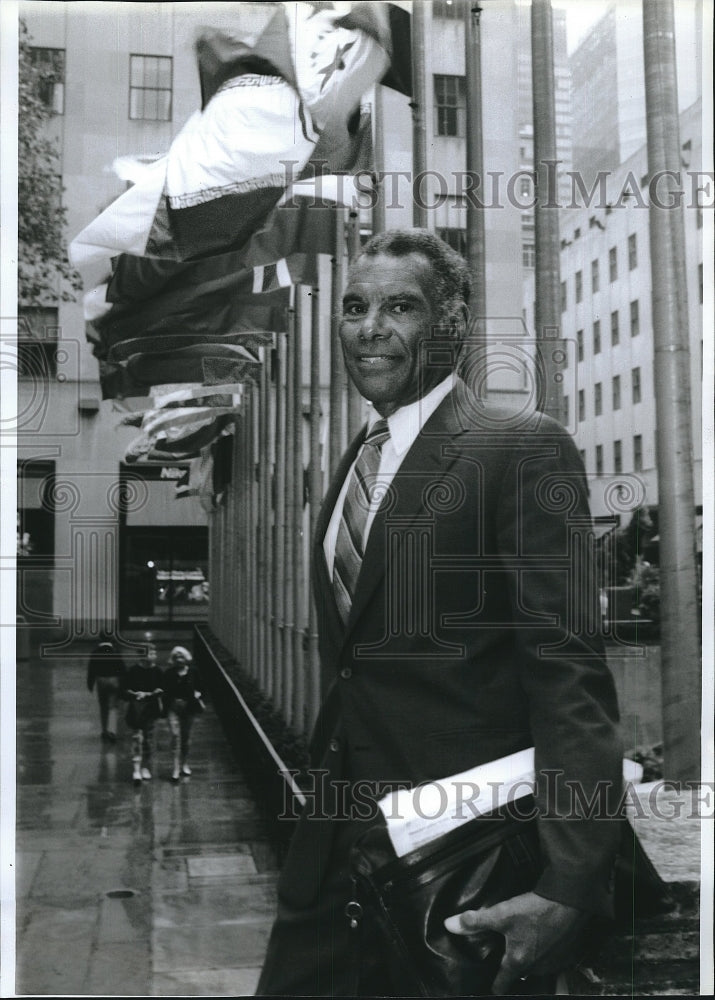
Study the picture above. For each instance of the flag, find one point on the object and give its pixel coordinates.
(269, 107)
(183, 420)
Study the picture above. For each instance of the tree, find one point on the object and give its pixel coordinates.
(44, 271)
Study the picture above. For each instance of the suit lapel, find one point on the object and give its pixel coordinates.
(426, 457)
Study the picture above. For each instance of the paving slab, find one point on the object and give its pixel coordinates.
(162, 890)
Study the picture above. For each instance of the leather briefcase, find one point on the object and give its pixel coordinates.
(484, 861)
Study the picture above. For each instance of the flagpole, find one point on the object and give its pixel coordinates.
(680, 625)
(264, 534)
(338, 376)
(279, 644)
(419, 106)
(312, 704)
(254, 524)
(546, 212)
(293, 352)
(379, 221)
(476, 238)
(355, 403)
(297, 531)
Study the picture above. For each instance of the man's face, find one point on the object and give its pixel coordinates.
(387, 313)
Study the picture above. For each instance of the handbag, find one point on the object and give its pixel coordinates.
(484, 861)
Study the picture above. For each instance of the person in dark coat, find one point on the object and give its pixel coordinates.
(142, 686)
(104, 672)
(459, 622)
(183, 700)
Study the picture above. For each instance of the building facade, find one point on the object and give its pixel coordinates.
(606, 320)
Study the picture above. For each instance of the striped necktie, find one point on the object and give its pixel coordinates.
(349, 544)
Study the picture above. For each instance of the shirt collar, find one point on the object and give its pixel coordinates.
(407, 422)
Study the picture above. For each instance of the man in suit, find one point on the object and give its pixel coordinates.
(458, 616)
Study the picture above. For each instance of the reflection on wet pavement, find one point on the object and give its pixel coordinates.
(162, 890)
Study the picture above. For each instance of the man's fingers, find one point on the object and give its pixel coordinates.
(505, 978)
(471, 921)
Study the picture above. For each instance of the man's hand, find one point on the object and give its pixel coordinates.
(539, 934)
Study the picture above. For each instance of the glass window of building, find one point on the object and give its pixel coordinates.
(599, 459)
(637, 453)
(616, 386)
(449, 105)
(613, 263)
(579, 344)
(50, 67)
(615, 334)
(450, 9)
(597, 336)
(150, 86)
(579, 286)
(37, 335)
(456, 238)
(595, 276)
(632, 252)
(582, 453)
(617, 457)
(581, 405)
(566, 410)
(635, 319)
(636, 384)
(564, 296)
(598, 399)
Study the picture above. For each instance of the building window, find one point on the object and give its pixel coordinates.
(447, 8)
(597, 336)
(582, 453)
(598, 399)
(564, 297)
(637, 453)
(632, 252)
(449, 105)
(613, 263)
(528, 255)
(456, 238)
(37, 334)
(636, 384)
(50, 67)
(150, 88)
(581, 405)
(599, 459)
(579, 344)
(615, 335)
(616, 392)
(595, 276)
(700, 281)
(635, 319)
(617, 458)
(579, 286)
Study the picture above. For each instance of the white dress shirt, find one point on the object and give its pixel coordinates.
(404, 424)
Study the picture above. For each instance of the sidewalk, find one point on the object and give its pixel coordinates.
(163, 890)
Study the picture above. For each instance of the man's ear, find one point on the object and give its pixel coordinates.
(459, 322)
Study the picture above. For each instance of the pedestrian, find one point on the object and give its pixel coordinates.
(142, 686)
(104, 671)
(454, 632)
(183, 699)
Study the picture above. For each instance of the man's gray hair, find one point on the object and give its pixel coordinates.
(452, 278)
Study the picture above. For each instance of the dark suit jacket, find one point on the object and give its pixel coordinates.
(474, 633)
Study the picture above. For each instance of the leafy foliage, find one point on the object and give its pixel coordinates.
(44, 271)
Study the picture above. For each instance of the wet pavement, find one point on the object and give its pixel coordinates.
(163, 890)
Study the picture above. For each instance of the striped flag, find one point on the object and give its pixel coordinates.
(232, 161)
